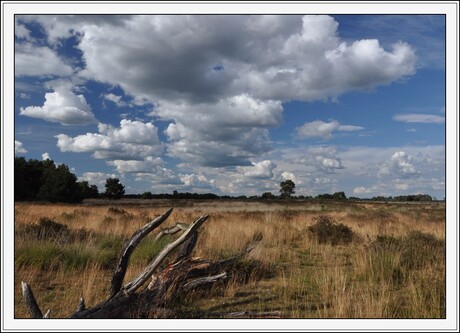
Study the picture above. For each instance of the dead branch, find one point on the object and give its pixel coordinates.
(171, 230)
(31, 303)
(182, 275)
(119, 274)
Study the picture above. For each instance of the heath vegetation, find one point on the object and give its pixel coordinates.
(315, 260)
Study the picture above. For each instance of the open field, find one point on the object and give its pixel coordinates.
(390, 265)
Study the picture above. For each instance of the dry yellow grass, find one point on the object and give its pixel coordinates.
(295, 275)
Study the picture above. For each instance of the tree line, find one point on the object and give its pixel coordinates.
(36, 180)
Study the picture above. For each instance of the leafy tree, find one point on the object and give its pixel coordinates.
(268, 196)
(287, 188)
(113, 188)
(27, 178)
(339, 196)
(43, 180)
(325, 196)
(147, 195)
(60, 185)
(88, 191)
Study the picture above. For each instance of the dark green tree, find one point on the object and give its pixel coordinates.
(43, 180)
(60, 185)
(287, 188)
(88, 191)
(28, 178)
(113, 188)
(147, 195)
(339, 196)
(268, 196)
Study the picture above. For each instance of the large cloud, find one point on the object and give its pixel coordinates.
(62, 106)
(132, 140)
(221, 79)
(205, 58)
(227, 132)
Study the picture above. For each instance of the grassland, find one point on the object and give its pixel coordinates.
(391, 266)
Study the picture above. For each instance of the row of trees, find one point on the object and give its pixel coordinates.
(36, 180)
(46, 181)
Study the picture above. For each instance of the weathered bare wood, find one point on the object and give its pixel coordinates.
(239, 314)
(204, 280)
(182, 275)
(150, 269)
(187, 247)
(81, 305)
(172, 230)
(31, 303)
(250, 314)
(168, 231)
(47, 314)
(119, 274)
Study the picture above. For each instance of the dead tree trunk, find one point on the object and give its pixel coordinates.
(182, 275)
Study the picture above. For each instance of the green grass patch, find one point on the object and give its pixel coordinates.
(50, 256)
(147, 250)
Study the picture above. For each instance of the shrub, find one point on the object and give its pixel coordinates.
(421, 249)
(118, 211)
(327, 230)
(47, 229)
(52, 231)
(68, 216)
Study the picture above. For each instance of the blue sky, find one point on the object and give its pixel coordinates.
(236, 104)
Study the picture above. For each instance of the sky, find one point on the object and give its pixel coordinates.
(236, 104)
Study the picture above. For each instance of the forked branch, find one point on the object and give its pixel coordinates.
(182, 275)
(128, 249)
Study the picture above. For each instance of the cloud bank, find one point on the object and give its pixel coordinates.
(219, 80)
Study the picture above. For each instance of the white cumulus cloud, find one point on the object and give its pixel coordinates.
(400, 164)
(288, 175)
(132, 140)
(259, 170)
(62, 106)
(298, 57)
(19, 147)
(228, 132)
(322, 159)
